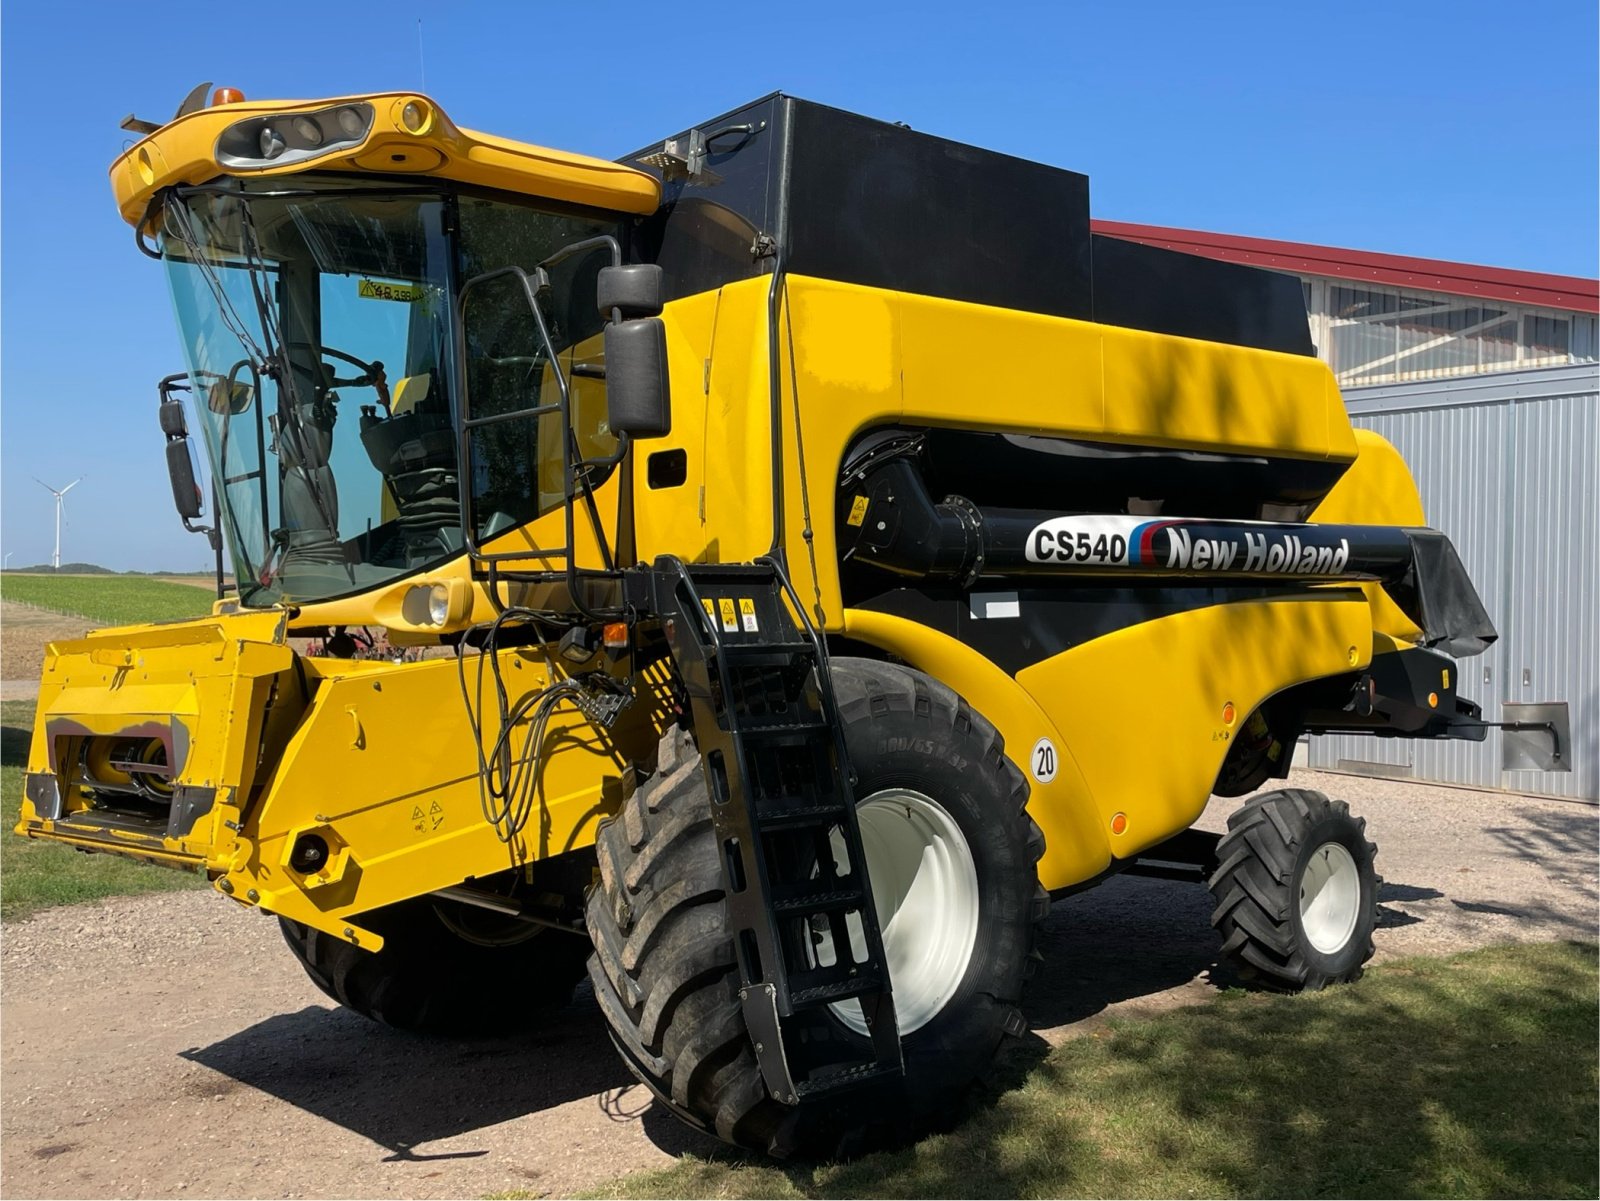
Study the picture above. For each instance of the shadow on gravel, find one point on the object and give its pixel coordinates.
(403, 1091)
(1128, 938)
(1564, 841)
(1547, 917)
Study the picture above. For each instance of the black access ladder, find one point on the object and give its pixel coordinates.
(799, 903)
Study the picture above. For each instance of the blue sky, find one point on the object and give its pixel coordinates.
(1461, 131)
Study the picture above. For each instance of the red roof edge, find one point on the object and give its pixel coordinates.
(1365, 266)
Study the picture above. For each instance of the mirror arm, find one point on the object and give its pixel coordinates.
(572, 248)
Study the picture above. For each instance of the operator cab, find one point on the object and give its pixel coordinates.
(341, 310)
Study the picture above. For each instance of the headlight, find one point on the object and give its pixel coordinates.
(310, 132)
(427, 605)
(438, 604)
(276, 141)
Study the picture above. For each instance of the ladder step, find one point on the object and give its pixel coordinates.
(835, 1081)
(840, 990)
(798, 816)
(743, 654)
(818, 901)
(768, 728)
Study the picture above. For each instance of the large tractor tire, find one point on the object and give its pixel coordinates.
(952, 861)
(444, 972)
(1296, 891)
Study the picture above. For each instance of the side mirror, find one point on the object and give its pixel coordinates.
(229, 396)
(635, 289)
(185, 491)
(638, 392)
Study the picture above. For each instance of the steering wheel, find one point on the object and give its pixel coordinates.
(372, 374)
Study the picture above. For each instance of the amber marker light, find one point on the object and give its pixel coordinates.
(1119, 822)
(1228, 714)
(615, 635)
(1433, 700)
(415, 116)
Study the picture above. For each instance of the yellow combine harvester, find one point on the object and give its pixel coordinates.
(832, 551)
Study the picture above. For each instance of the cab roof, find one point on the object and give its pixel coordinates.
(423, 142)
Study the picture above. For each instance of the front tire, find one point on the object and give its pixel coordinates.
(1296, 891)
(664, 972)
(434, 975)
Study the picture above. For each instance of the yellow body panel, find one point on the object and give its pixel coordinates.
(1377, 490)
(1142, 707)
(184, 151)
(385, 767)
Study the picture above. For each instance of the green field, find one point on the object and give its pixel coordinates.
(36, 875)
(107, 599)
(1469, 1076)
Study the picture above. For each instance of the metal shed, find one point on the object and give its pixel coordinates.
(1509, 467)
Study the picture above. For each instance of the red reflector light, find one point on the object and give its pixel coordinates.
(226, 96)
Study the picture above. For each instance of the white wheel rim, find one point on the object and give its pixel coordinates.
(1330, 897)
(925, 892)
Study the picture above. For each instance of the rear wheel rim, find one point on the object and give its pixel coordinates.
(1330, 897)
(925, 892)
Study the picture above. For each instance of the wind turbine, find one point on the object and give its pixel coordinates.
(58, 493)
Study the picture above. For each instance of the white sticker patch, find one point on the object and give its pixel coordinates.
(1044, 762)
(991, 605)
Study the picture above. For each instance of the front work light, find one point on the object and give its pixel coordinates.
(273, 141)
(310, 132)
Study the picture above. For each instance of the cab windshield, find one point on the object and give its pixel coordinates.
(317, 323)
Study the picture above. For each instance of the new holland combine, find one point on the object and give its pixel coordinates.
(828, 550)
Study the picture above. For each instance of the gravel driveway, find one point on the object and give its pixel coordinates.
(169, 1045)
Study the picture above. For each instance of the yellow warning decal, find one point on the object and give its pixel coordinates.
(747, 610)
(372, 289)
(858, 511)
(711, 610)
(730, 620)
(1444, 678)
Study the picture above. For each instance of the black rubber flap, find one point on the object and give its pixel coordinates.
(1438, 595)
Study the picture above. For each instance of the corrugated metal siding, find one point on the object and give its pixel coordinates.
(1509, 467)
(1554, 624)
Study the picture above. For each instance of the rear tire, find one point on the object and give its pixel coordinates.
(430, 980)
(664, 969)
(1296, 891)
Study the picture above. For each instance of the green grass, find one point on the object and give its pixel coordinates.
(36, 875)
(1468, 1076)
(107, 600)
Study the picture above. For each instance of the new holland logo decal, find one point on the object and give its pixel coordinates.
(1172, 545)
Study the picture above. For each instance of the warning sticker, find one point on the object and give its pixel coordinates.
(747, 611)
(730, 620)
(711, 609)
(373, 289)
(858, 511)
